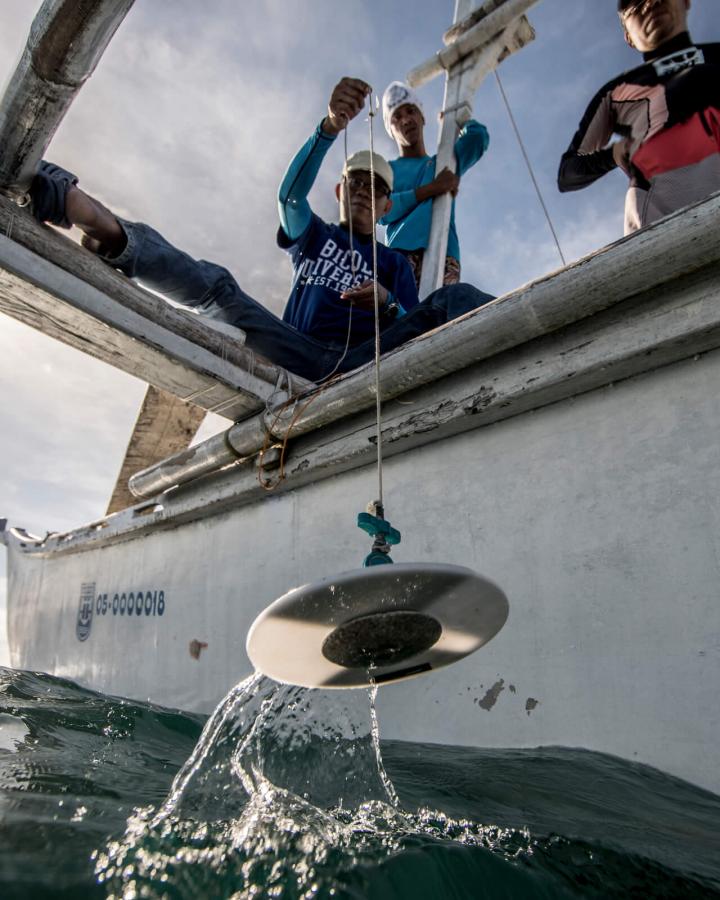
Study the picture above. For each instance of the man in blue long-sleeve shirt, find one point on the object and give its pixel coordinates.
(417, 183)
(328, 271)
(328, 323)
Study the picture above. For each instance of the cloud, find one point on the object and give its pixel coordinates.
(518, 250)
(66, 430)
(191, 129)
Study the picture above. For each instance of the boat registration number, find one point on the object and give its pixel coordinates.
(131, 603)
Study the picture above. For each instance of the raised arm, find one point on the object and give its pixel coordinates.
(588, 157)
(345, 103)
(471, 145)
(293, 207)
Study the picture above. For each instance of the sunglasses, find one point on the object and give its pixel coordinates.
(355, 184)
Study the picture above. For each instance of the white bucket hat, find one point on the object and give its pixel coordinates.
(397, 93)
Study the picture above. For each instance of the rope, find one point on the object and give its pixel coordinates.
(353, 269)
(267, 484)
(529, 166)
(199, 393)
(270, 485)
(464, 104)
(376, 296)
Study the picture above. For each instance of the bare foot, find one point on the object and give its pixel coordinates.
(102, 233)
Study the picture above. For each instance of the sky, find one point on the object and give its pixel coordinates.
(189, 122)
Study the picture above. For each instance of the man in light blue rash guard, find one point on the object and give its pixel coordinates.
(328, 324)
(416, 182)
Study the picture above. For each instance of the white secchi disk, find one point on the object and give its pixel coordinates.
(379, 624)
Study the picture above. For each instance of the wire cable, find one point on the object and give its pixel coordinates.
(529, 166)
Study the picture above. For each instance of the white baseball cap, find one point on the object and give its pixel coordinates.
(360, 162)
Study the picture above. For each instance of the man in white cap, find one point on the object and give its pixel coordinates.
(416, 181)
(328, 324)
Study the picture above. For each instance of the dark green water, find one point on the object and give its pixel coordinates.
(285, 796)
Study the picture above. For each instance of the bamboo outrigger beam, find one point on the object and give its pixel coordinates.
(66, 41)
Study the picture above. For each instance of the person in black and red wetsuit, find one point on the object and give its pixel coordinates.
(665, 112)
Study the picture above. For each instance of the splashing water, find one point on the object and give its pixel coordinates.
(375, 735)
(280, 780)
(285, 784)
(285, 797)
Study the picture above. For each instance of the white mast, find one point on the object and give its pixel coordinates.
(476, 44)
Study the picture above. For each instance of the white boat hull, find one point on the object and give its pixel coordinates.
(597, 515)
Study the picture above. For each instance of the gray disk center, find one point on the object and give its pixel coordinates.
(381, 639)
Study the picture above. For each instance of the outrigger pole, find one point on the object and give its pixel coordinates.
(66, 41)
(479, 40)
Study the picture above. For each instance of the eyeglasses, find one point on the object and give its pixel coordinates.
(356, 184)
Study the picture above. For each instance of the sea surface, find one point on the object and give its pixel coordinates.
(288, 793)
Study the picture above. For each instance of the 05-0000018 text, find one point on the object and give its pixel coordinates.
(131, 603)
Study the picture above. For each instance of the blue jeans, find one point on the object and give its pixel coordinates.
(213, 292)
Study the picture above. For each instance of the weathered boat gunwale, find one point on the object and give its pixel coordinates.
(674, 247)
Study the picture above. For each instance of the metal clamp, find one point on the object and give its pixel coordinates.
(383, 534)
(465, 104)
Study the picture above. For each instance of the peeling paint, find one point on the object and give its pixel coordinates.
(196, 647)
(492, 694)
(512, 689)
(439, 415)
(530, 704)
(480, 401)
